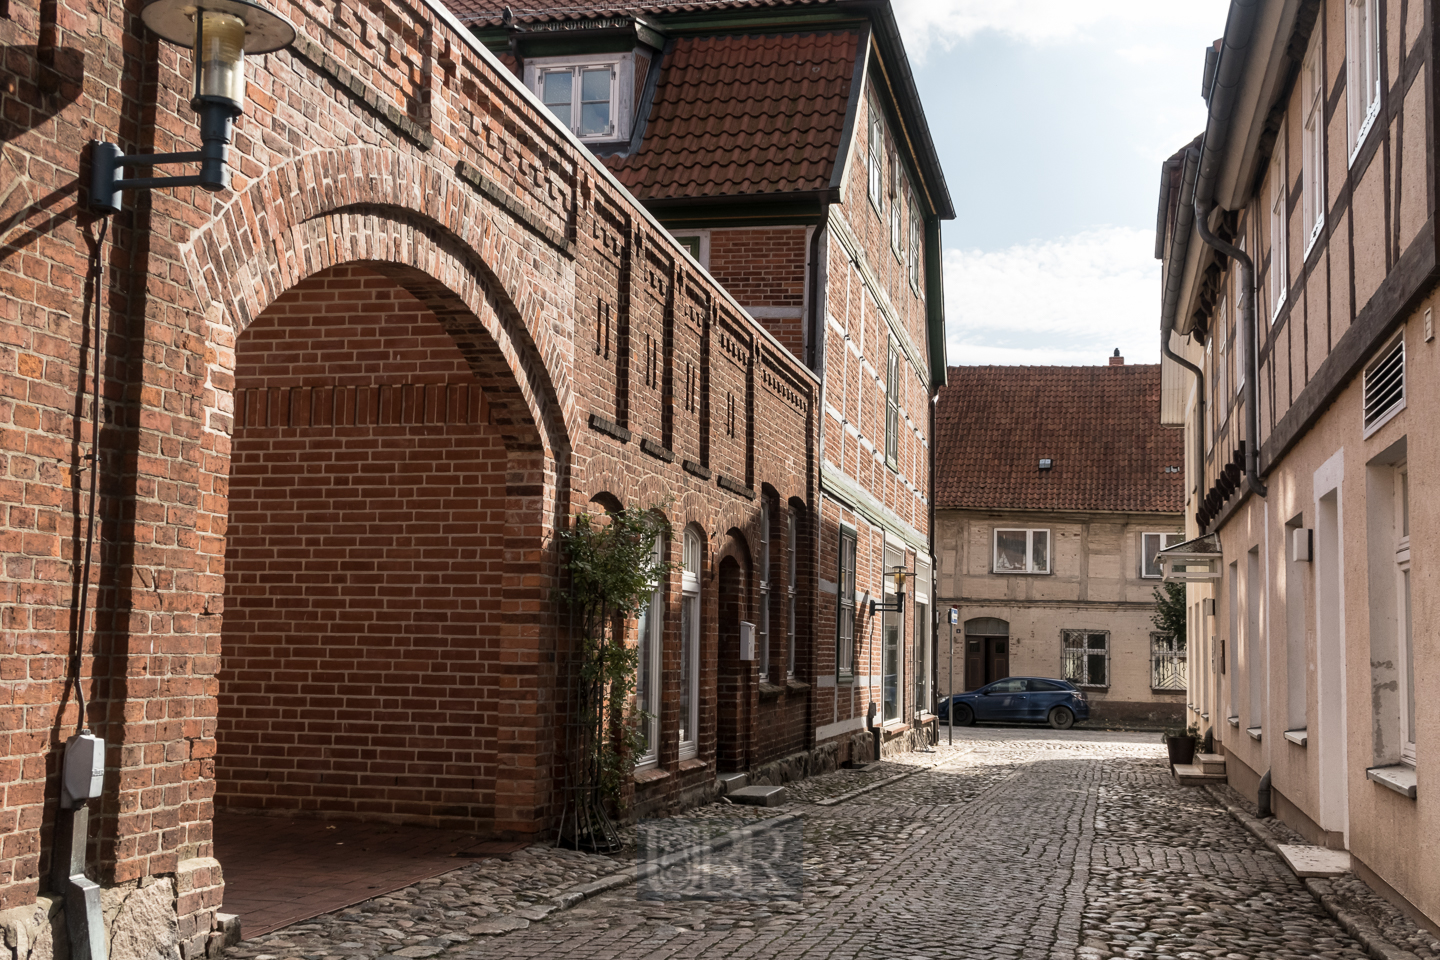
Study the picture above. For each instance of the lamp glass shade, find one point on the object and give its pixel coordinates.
(220, 56)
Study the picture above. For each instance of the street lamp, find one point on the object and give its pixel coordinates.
(220, 32)
(898, 604)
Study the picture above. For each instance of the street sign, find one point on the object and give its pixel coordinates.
(954, 615)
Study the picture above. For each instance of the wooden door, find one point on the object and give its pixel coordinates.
(974, 663)
(997, 658)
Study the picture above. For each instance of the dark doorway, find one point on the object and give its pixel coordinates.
(733, 696)
(987, 651)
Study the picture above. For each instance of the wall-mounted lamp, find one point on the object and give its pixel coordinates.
(220, 32)
(898, 604)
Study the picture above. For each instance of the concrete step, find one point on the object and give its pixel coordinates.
(1210, 762)
(1308, 861)
(1193, 775)
(758, 796)
(730, 782)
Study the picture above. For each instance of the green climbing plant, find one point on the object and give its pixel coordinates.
(613, 566)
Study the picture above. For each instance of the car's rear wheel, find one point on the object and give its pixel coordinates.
(1061, 718)
(964, 716)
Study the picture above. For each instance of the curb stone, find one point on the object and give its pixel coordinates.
(1364, 932)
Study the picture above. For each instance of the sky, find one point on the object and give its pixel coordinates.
(1051, 119)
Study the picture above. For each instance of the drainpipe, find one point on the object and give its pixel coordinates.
(1247, 334)
(1262, 798)
(1179, 246)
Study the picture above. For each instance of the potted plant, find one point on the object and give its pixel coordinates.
(1181, 744)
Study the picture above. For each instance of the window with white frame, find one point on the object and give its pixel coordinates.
(1150, 546)
(897, 205)
(1238, 337)
(792, 545)
(1022, 551)
(1210, 421)
(875, 160)
(892, 407)
(647, 680)
(584, 93)
(697, 244)
(1223, 361)
(1312, 160)
(1087, 657)
(1362, 69)
(892, 667)
(915, 252)
(923, 659)
(1279, 261)
(764, 624)
(1404, 628)
(845, 609)
(690, 646)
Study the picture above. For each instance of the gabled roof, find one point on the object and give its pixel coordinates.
(491, 13)
(1098, 426)
(744, 115)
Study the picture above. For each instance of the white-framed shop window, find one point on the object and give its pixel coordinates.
(1087, 657)
(690, 646)
(1405, 630)
(1312, 185)
(1021, 551)
(586, 93)
(648, 682)
(1362, 69)
(1150, 546)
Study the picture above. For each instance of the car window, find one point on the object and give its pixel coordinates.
(1044, 686)
(1007, 686)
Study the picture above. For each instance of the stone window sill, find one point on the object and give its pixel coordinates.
(694, 763)
(1299, 737)
(1233, 721)
(651, 775)
(796, 686)
(1399, 777)
(769, 691)
(1254, 733)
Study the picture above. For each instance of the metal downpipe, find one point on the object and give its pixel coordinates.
(1247, 333)
(1179, 246)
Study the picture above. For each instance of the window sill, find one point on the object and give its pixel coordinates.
(1204, 716)
(1233, 721)
(796, 686)
(650, 775)
(1254, 732)
(1398, 777)
(1180, 691)
(769, 691)
(1020, 573)
(691, 763)
(845, 678)
(1301, 737)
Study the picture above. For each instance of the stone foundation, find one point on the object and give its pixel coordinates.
(155, 918)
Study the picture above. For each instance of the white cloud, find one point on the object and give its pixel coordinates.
(1071, 300)
(945, 22)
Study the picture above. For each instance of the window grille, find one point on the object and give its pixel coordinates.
(1167, 662)
(1087, 658)
(1385, 386)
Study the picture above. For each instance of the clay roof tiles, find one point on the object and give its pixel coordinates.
(491, 13)
(1098, 425)
(744, 115)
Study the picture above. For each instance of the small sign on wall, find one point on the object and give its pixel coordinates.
(747, 640)
(954, 616)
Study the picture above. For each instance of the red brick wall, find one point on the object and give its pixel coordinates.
(765, 267)
(360, 669)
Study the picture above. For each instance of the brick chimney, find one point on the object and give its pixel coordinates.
(1117, 360)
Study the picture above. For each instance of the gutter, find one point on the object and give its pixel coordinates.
(1224, 88)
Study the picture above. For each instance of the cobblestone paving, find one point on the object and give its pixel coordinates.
(1020, 843)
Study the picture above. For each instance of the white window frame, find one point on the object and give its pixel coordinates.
(1164, 540)
(651, 622)
(702, 238)
(1066, 659)
(897, 207)
(1212, 422)
(875, 160)
(622, 79)
(763, 627)
(916, 250)
(894, 555)
(1362, 70)
(690, 638)
(1237, 338)
(1279, 232)
(892, 406)
(1405, 638)
(1312, 160)
(845, 603)
(922, 631)
(792, 566)
(1030, 567)
(1223, 359)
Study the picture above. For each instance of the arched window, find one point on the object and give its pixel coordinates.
(648, 683)
(690, 646)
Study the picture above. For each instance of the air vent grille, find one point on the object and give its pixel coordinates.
(1385, 385)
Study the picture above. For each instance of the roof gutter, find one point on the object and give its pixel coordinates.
(1224, 92)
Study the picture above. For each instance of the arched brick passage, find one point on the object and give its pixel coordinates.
(366, 667)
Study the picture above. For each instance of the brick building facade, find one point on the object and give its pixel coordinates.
(347, 403)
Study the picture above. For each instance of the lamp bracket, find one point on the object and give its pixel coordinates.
(217, 116)
(888, 606)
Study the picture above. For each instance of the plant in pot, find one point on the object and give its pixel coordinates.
(1180, 743)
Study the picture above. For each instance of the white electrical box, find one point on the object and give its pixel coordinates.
(1302, 542)
(84, 770)
(747, 640)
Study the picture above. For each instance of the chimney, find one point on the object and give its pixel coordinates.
(1117, 360)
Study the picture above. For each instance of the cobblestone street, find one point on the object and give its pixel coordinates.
(1017, 843)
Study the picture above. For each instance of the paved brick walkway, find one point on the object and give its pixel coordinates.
(1022, 843)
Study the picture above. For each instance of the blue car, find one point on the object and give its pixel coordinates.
(1019, 699)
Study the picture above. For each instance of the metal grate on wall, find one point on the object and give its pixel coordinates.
(1385, 385)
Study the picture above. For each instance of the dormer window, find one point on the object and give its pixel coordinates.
(584, 92)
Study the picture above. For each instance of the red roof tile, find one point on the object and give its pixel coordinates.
(1098, 425)
(490, 12)
(744, 115)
